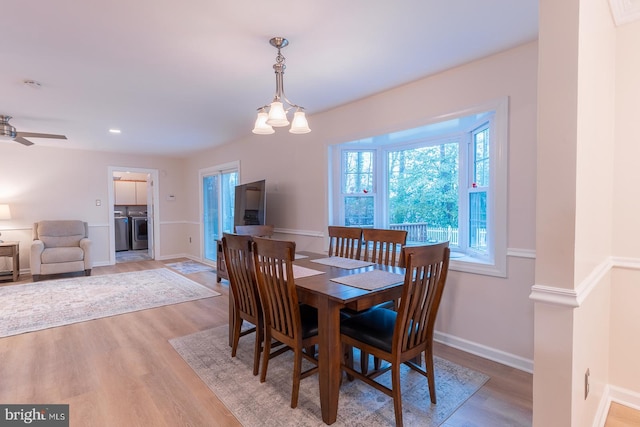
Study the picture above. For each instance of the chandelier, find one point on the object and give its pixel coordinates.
(275, 114)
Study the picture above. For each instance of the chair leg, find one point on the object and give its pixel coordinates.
(257, 347)
(237, 324)
(347, 359)
(297, 369)
(265, 355)
(397, 393)
(428, 361)
(364, 362)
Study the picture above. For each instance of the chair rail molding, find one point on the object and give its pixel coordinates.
(574, 297)
(625, 11)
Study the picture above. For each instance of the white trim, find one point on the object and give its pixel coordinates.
(299, 232)
(481, 350)
(615, 394)
(521, 253)
(625, 11)
(571, 297)
(575, 297)
(630, 263)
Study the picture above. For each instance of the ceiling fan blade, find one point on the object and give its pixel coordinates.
(22, 141)
(40, 135)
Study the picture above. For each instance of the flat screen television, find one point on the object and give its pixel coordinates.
(250, 204)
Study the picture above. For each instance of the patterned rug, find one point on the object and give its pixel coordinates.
(188, 267)
(268, 404)
(50, 303)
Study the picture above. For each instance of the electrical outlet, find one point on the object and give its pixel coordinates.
(586, 384)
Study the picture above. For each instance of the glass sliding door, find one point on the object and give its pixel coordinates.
(218, 192)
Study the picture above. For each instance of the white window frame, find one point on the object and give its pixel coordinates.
(495, 264)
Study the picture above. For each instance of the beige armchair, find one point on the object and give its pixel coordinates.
(60, 247)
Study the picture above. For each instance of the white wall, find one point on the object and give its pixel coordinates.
(57, 183)
(484, 314)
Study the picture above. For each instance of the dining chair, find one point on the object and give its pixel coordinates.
(244, 289)
(345, 242)
(383, 246)
(255, 230)
(285, 320)
(400, 336)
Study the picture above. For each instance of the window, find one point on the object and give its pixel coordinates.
(442, 181)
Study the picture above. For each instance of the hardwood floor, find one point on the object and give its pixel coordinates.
(622, 416)
(122, 370)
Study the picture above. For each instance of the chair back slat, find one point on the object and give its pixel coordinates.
(345, 242)
(425, 277)
(239, 261)
(383, 246)
(274, 270)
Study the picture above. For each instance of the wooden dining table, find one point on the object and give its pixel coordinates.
(329, 298)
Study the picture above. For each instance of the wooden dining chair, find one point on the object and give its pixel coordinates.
(400, 336)
(244, 289)
(383, 246)
(293, 324)
(255, 230)
(345, 242)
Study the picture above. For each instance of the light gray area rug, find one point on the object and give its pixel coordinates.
(50, 303)
(188, 267)
(268, 404)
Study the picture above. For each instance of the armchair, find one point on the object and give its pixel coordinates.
(60, 247)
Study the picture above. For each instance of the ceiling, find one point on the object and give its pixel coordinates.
(177, 77)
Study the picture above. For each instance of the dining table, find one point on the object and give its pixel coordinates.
(315, 278)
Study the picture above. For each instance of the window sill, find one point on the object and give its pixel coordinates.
(463, 263)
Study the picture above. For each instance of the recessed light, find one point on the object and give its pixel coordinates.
(114, 130)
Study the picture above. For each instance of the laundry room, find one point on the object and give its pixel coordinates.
(131, 216)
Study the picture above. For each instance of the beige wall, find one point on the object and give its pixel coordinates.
(625, 292)
(484, 314)
(583, 235)
(56, 183)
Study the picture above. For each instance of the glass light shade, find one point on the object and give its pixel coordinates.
(261, 127)
(277, 115)
(299, 123)
(5, 212)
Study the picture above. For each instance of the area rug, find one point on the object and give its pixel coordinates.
(268, 404)
(50, 303)
(188, 267)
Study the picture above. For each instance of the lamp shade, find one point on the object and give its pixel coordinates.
(261, 127)
(5, 212)
(277, 115)
(299, 123)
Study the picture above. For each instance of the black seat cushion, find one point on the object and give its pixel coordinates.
(309, 320)
(374, 327)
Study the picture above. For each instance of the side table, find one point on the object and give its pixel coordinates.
(12, 250)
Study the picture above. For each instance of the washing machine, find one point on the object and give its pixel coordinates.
(123, 234)
(139, 236)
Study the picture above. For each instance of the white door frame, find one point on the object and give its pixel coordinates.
(153, 195)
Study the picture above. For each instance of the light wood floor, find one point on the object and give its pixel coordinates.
(622, 416)
(123, 371)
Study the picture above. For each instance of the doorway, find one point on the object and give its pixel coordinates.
(133, 210)
(217, 190)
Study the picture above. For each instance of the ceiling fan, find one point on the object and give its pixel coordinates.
(8, 132)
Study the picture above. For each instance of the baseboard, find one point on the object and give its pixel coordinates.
(615, 394)
(499, 356)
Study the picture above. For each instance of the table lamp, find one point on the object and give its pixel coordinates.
(5, 213)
